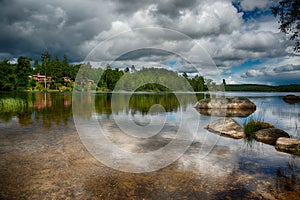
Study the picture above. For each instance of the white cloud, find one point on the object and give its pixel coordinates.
(258, 41)
(230, 80)
(252, 73)
(214, 18)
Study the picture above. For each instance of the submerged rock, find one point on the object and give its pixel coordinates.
(270, 135)
(226, 107)
(289, 145)
(291, 99)
(226, 127)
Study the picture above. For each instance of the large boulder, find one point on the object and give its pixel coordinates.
(226, 107)
(225, 103)
(226, 127)
(270, 135)
(291, 99)
(226, 112)
(290, 145)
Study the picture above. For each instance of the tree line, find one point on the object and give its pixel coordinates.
(15, 76)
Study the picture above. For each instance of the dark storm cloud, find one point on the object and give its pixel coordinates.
(170, 8)
(127, 7)
(76, 27)
(140, 53)
(31, 27)
(73, 27)
(287, 68)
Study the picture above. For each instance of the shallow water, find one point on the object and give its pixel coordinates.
(44, 157)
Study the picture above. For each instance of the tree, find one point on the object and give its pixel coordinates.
(65, 60)
(37, 67)
(184, 74)
(224, 82)
(8, 77)
(45, 61)
(23, 70)
(126, 70)
(289, 19)
(133, 68)
(197, 83)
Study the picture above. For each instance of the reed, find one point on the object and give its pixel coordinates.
(253, 125)
(9, 105)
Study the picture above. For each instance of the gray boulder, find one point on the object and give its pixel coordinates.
(270, 135)
(226, 127)
(225, 103)
(289, 145)
(226, 112)
(226, 107)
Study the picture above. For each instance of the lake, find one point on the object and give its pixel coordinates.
(49, 150)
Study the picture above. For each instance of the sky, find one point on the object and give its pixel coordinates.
(236, 40)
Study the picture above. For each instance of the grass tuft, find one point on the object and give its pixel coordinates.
(251, 126)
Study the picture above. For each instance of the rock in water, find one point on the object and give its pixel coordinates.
(226, 112)
(270, 135)
(225, 103)
(291, 99)
(289, 145)
(226, 107)
(226, 127)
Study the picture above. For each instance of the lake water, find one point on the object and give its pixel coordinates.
(46, 155)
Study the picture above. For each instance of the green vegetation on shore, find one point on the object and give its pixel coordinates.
(18, 77)
(263, 88)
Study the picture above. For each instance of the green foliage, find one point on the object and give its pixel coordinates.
(110, 78)
(12, 105)
(263, 88)
(289, 19)
(23, 70)
(197, 83)
(15, 77)
(252, 126)
(157, 79)
(7, 76)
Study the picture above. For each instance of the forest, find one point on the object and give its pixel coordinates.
(16, 77)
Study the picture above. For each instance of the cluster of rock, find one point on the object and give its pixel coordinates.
(230, 128)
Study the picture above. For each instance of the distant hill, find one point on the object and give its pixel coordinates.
(263, 88)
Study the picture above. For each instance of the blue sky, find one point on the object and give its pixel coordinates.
(241, 36)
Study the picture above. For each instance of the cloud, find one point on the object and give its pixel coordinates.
(256, 4)
(219, 17)
(75, 28)
(275, 72)
(31, 27)
(287, 68)
(253, 73)
(262, 41)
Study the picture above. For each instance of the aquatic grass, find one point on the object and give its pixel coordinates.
(249, 142)
(253, 125)
(12, 105)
